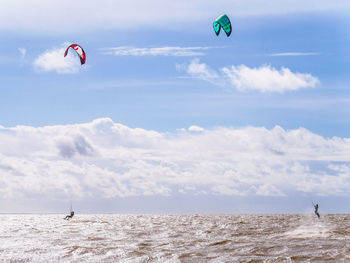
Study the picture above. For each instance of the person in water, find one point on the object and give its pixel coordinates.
(316, 210)
(69, 216)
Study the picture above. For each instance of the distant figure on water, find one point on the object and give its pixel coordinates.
(316, 210)
(69, 216)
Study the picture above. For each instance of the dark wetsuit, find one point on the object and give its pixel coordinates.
(316, 210)
(69, 216)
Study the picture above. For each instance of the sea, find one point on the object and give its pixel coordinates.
(174, 238)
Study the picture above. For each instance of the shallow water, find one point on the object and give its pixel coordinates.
(175, 238)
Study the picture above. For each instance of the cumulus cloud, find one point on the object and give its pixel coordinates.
(104, 159)
(243, 78)
(78, 145)
(156, 51)
(64, 15)
(268, 79)
(54, 60)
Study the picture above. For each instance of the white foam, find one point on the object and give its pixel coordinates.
(310, 227)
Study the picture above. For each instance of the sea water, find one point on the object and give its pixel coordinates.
(174, 238)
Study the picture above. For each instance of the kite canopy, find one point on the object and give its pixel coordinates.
(224, 22)
(80, 52)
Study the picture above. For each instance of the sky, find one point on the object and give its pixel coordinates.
(167, 117)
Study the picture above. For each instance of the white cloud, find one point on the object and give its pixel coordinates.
(243, 78)
(195, 128)
(199, 70)
(62, 15)
(156, 51)
(54, 60)
(23, 52)
(268, 190)
(294, 54)
(268, 79)
(103, 159)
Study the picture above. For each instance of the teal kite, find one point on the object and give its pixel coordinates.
(224, 22)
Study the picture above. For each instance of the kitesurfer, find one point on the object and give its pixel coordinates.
(316, 210)
(69, 216)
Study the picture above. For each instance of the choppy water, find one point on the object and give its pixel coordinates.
(175, 238)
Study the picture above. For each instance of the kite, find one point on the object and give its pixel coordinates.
(224, 22)
(80, 52)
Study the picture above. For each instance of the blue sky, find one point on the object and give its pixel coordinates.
(121, 86)
(220, 85)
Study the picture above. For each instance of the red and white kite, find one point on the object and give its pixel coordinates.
(80, 52)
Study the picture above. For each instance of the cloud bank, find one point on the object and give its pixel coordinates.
(74, 16)
(54, 60)
(104, 159)
(243, 78)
